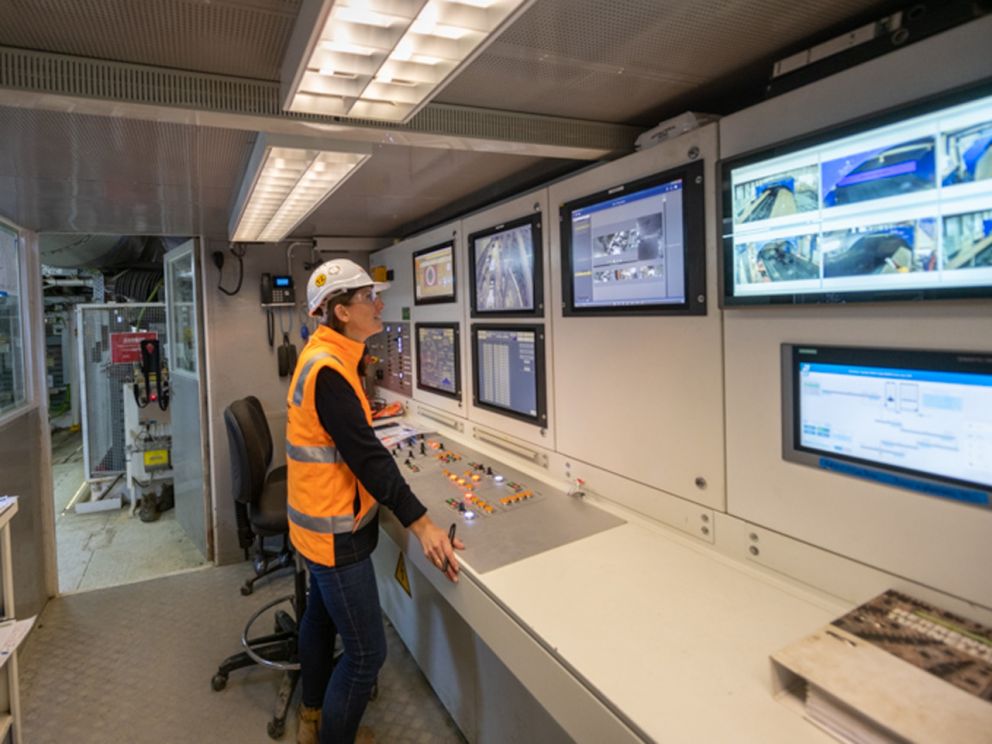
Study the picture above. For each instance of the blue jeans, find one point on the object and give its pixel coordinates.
(343, 600)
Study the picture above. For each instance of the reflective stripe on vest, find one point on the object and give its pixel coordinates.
(329, 525)
(305, 372)
(312, 453)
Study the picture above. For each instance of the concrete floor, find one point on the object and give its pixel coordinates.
(109, 548)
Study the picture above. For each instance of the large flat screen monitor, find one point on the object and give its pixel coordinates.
(509, 370)
(434, 274)
(637, 248)
(506, 269)
(438, 368)
(920, 420)
(895, 207)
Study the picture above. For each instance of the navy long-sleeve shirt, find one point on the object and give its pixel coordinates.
(343, 418)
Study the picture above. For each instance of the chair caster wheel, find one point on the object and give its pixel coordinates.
(276, 728)
(219, 682)
(246, 589)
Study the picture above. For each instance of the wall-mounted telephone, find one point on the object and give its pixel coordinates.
(151, 378)
(277, 289)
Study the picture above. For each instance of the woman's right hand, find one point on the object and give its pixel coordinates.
(438, 549)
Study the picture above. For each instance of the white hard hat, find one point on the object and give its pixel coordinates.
(334, 277)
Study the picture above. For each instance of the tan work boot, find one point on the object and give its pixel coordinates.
(308, 730)
(365, 735)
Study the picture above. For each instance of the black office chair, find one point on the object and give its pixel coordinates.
(261, 497)
(259, 494)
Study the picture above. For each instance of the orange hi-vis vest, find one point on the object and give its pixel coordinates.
(325, 497)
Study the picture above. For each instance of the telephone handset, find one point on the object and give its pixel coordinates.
(151, 374)
(277, 289)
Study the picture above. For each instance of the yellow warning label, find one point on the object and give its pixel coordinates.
(401, 576)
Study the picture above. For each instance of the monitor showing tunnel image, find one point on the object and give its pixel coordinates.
(894, 207)
(506, 269)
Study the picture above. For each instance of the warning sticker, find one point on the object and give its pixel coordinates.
(401, 575)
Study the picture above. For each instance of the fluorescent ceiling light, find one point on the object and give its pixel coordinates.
(384, 59)
(287, 178)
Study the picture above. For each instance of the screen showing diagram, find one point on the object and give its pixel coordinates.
(926, 413)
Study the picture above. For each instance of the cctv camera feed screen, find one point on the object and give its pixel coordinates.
(628, 250)
(437, 359)
(925, 413)
(507, 376)
(504, 270)
(434, 275)
(900, 208)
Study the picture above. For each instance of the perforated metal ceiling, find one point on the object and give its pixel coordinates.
(599, 60)
(616, 60)
(226, 37)
(81, 174)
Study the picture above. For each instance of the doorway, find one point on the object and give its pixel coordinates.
(106, 336)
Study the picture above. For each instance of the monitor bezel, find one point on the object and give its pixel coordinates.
(537, 273)
(792, 451)
(850, 127)
(541, 418)
(443, 299)
(456, 327)
(693, 241)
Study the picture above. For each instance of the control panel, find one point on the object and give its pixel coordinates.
(392, 366)
(501, 514)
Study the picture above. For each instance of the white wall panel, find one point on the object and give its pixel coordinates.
(643, 396)
(925, 539)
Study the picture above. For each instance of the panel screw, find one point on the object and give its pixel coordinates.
(753, 550)
(701, 483)
(705, 517)
(693, 153)
(705, 530)
(753, 537)
(699, 179)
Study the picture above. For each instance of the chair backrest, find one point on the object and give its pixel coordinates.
(251, 448)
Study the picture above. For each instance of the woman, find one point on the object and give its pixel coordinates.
(338, 473)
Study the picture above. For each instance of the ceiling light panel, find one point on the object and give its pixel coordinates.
(287, 179)
(384, 59)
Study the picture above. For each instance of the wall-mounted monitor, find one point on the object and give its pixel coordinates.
(637, 248)
(918, 420)
(434, 274)
(438, 359)
(509, 377)
(894, 207)
(505, 261)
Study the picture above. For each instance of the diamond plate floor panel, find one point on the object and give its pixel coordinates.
(132, 665)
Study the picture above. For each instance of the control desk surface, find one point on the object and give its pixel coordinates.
(503, 516)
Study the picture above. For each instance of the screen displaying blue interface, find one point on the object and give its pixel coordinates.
(437, 359)
(283, 281)
(629, 250)
(507, 370)
(927, 421)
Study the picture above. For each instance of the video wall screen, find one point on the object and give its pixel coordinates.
(638, 248)
(509, 371)
(506, 269)
(438, 360)
(434, 275)
(893, 208)
(919, 420)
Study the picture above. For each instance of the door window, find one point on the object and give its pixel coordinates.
(13, 391)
